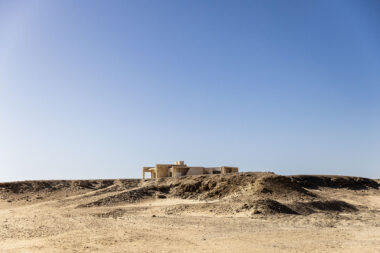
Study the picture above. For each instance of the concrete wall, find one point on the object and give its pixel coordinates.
(227, 169)
(210, 170)
(196, 171)
(163, 170)
(180, 171)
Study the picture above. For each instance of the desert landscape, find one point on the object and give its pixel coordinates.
(238, 212)
(132, 126)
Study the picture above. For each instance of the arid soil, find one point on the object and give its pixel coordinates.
(242, 212)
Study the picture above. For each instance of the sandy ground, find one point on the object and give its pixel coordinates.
(54, 223)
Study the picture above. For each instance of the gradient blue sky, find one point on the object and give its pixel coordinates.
(98, 89)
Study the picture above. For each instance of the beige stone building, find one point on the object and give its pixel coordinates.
(181, 169)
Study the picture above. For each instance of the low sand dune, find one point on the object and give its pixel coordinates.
(242, 212)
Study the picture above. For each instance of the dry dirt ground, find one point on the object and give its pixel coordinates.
(242, 212)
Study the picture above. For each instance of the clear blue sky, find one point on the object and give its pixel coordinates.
(98, 89)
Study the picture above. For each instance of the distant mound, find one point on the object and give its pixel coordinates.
(316, 181)
(259, 193)
(47, 189)
(128, 196)
(53, 185)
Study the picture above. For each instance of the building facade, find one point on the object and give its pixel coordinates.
(179, 169)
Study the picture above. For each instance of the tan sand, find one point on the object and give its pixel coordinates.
(54, 218)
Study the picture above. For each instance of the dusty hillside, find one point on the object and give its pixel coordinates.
(128, 215)
(261, 193)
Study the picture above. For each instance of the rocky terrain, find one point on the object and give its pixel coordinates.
(240, 212)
